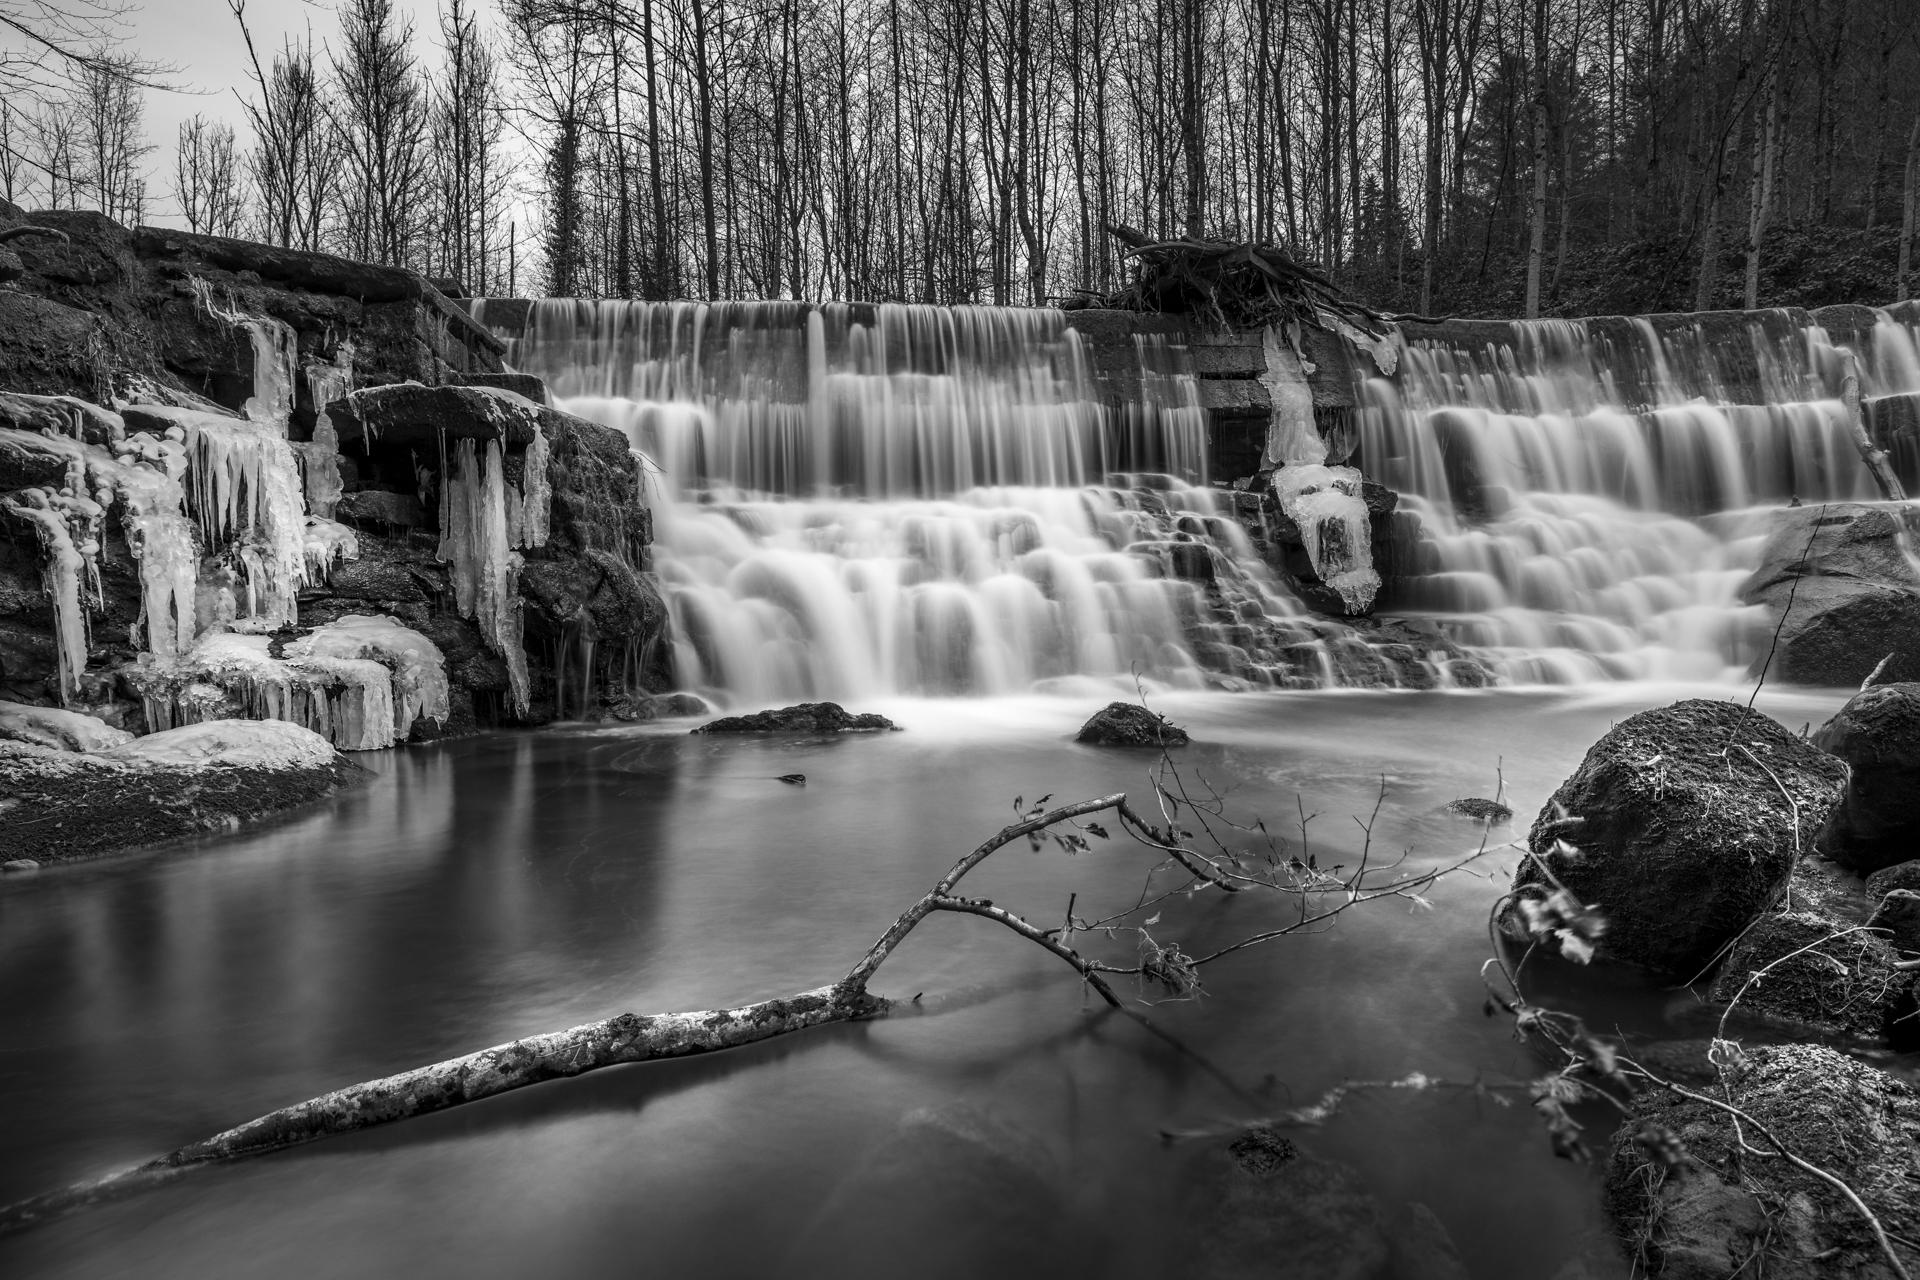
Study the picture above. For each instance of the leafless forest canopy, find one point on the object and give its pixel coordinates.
(1551, 156)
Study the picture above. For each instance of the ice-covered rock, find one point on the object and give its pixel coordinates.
(348, 701)
(228, 744)
(326, 544)
(57, 728)
(1326, 503)
(419, 671)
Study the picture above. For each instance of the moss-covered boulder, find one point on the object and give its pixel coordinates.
(1877, 823)
(1805, 971)
(1128, 724)
(1679, 826)
(1724, 1213)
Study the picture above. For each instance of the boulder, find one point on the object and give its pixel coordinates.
(1877, 823)
(1128, 724)
(1901, 875)
(59, 729)
(1672, 828)
(806, 717)
(1261, 1206)
(1899, 915)
(1850, 596)
(1834, 984)
(1721, 1214)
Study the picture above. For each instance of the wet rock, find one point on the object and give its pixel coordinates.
(1899, 915)
(1854, 596)
(379, 511)
(1901, 875)
(1834, 984)
(14, 866)
(1725, 1214)
(1261, 1207)
(1128, 724)
(408, 413)
(1672, 828)
(806, 717)
(1877, 823)
(1491, 812)
(952, 1193)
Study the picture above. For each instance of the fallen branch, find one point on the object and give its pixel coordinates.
(631, 1038)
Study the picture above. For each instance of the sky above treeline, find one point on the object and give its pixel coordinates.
(202, 40)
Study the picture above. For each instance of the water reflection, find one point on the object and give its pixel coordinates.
(481, 890)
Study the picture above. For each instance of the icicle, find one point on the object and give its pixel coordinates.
(1325, 503)
(348, 701)
(326, 544)
(1292, 436)
(485, 568)
(60, 575)
(243, 485)
(419, 680)
(536, 493)
(275, 349)
(320, 456)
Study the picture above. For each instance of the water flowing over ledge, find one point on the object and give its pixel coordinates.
(858, 500)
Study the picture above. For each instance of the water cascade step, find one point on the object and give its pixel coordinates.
(1581, 500)
(857, 501)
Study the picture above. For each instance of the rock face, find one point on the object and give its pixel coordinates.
(1877, 733)
(1854, 593)
(1714, 1218)
(59, 805)
(806, 717)
(1901, 875)
(1128, 724)
(1674, 831)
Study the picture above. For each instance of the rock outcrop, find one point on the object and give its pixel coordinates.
(1680, 826)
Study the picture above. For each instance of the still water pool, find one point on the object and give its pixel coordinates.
(480, 890)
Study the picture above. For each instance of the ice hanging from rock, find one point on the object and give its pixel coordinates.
(474, 540)
(348, 701)
(419, 671)
(1325, 503)
(320, 456)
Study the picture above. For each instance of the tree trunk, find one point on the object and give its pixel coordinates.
(1537, 221)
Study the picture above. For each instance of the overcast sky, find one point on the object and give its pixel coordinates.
(201, 38)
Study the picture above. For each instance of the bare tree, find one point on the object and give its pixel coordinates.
(295, 148)
(207, 181)
(380, 114)
(112, 140)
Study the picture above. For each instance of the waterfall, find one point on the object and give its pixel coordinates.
(1582, 499)
(855, 501)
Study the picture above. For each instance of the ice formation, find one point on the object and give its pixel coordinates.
(1292, 435)
(325, 544)
(320, 456)
(228, 744)
(419, 671)
(474, 541)
(58, 729)
(348, 701)
(243, 487)
(1325, 503)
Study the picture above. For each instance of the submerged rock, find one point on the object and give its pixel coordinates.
(216, 776)
(1260, 1206)
(951, 1192)
(1480, 810)
(1675, 829)
(1128, 724)
(806, 717)
(1722, 1213)
(1877, 822)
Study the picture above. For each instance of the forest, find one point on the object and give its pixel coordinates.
(1521, 157)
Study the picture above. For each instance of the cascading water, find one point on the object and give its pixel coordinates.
(1589, 495)
(856, 501)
